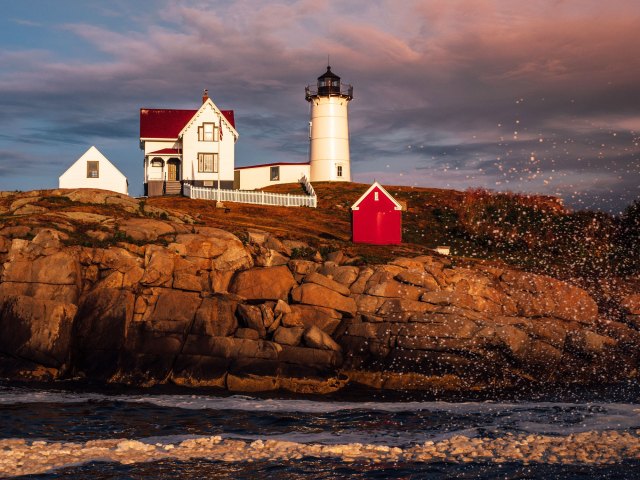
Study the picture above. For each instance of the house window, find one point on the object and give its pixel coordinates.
(156, 163)
(275, 174)
(208, 162)
(375, 196)
(339, 172)
(93, 169)
(208, 132)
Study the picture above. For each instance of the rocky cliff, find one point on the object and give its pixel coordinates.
(98, 286)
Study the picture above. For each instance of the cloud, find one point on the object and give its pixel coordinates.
(454, 80)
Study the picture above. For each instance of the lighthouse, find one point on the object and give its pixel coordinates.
(329, 129)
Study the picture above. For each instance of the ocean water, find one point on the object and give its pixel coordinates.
(158, 435)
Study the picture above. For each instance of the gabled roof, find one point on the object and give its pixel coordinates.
(168, 123)
(356, 206)
(208, 102)
(94, 154)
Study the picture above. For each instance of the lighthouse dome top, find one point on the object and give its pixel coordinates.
(328, 75)
(329, 85)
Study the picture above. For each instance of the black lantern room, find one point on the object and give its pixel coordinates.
(328, 83)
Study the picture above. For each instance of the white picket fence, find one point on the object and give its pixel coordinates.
(307, 186)
(257, 197)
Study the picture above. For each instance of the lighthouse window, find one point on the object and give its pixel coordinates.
(275, 174)
(208, 132)
(339, 172)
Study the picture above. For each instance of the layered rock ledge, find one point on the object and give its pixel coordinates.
(203, 308)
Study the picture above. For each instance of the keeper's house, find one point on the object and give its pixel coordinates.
(196, 146)
(377, 217)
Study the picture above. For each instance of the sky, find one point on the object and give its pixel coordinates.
(532, 97)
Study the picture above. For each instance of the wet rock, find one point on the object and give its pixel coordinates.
(35, 329)
(419, 278)
(99, 331)
(382, 284)
(631, 304)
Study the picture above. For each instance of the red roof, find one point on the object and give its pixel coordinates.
(167, 151)
(271, 165)
(166, 123)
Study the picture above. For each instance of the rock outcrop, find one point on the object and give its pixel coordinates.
(195, 306)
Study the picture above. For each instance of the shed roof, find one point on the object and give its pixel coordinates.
(356, 206)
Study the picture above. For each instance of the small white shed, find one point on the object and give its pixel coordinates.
(94, 170)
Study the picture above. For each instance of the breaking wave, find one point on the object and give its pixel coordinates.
(56, 429)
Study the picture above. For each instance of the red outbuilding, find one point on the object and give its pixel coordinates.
(376, 218)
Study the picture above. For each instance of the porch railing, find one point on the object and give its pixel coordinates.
(257, 197)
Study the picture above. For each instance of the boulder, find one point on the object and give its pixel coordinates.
(99, 331)
(288, 336)
(300, 268)
(588, 342)
(174, 311)
(272, 243)
(396, 306)
(336, 257)
(631, 304)
(234, 257)
(310, 357)
(358, 286)
(281, 308)
(326, 319)
(251, 317)
(257, 237)
(271, 283)
(248, 333)
(441, 326)
(215, 317)
(36, 329)
(319, 279)
(419, 278)
(316, 338)
(368, 303)
(158, 270)
(145, 229)
(270, 258)
(4, 244)
(314, 294)
(382, 284)
(267, 316)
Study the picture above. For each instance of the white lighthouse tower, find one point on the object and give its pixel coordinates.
(329, 129)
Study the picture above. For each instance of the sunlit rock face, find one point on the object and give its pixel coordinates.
(155, 298)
